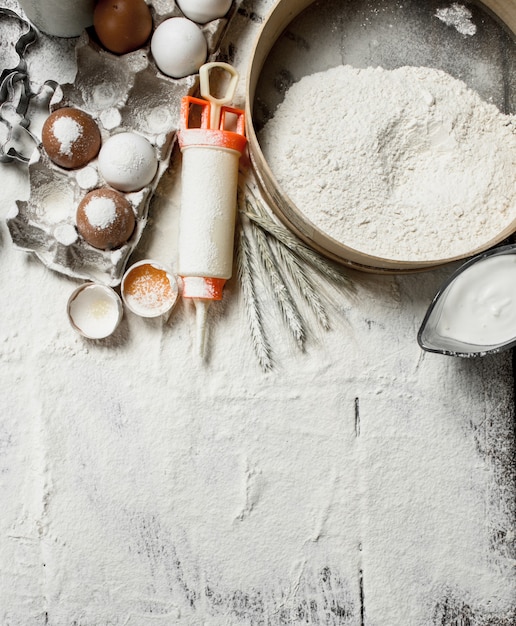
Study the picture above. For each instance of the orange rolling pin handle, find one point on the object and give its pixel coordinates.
(202, 287)
(187, 104)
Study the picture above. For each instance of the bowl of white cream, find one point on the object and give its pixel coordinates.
(474, 312)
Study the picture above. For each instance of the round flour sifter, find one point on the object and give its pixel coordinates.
(302, 37)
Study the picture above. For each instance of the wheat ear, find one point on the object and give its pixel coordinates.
(302, 251)
(246, 273)
(284, 298)
(303, 282)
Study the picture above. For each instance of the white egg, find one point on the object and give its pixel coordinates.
(127, 161)
(202, 11)
(179, 47)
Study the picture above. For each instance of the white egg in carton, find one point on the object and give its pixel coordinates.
(122, 93)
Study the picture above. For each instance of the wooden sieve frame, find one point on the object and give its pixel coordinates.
(279, 17)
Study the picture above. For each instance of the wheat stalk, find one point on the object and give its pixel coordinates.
(246, 271)
(284, 299)
(303, 282)
(320, 264)
(284, 261)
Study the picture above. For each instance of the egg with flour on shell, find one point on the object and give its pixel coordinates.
(202, 11)
(70, 137)
(122, 26)
(179, 47)
(105, 219)
(127, 161)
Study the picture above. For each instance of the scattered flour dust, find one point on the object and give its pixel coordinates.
(405, 164)
(459, 17)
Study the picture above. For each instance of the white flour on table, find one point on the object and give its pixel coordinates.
(405, 164)
(143, 489)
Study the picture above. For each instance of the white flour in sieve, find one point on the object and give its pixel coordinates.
(405, 164)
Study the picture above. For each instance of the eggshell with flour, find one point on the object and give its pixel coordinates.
(179, 47)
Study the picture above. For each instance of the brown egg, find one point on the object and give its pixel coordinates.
(122, 25)
(105, 219)
(70, 137)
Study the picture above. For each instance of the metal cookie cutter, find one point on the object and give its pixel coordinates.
(17, 142)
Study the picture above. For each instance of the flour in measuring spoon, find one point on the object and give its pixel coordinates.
(480, 304)
(405, 164)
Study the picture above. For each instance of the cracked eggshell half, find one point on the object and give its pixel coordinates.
(94, 311)
(149, 289)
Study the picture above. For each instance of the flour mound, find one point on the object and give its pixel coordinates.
(406, 164)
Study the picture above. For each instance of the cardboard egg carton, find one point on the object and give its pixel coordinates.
(122, 93)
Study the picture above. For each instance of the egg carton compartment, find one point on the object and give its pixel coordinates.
(122, 93)
(45, 224)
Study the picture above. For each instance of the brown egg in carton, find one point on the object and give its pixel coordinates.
(123, 94)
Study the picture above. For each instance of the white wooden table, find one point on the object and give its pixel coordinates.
(362, 482)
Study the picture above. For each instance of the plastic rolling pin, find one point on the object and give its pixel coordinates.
(212, 140)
